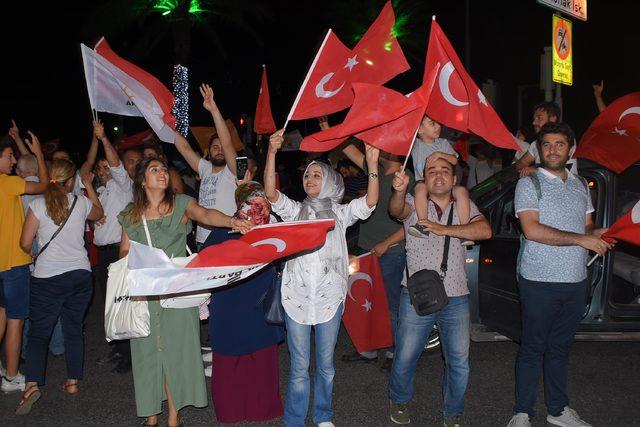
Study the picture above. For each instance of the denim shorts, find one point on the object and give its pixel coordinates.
(14, 292)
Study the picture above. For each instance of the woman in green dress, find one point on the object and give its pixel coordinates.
(167, 365)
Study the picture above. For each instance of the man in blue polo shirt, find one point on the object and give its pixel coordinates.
(554, 208)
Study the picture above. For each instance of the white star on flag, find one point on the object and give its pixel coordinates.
(351, 62)
(482, 98)
(367, 305)
(621, 132)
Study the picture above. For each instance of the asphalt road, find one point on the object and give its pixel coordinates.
(604, 383)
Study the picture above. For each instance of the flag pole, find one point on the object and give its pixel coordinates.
(85, 65)
(431, 84)
(306, 80)
(591, 261)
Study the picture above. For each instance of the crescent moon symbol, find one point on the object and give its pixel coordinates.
(631, 110)
(443, 82)
(321, 92)
(355, 277)
(279, 244)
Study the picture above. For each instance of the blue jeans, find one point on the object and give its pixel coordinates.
(551, 313)
(392, 266)
(67, 296)
(413, 332)
(299, 343)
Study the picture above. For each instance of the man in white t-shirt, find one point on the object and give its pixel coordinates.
(218, 174)
(115, 193)
(543, 113)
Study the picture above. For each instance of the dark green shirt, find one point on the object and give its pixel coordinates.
(380, 224)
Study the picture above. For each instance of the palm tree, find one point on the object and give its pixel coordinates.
(156, 19)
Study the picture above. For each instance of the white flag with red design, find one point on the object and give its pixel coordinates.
(366, 312)
(152, 272)
(117, 86)
(627, 228)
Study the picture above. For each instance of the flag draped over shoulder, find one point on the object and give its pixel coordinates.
(120, 87)
(613, 139)
(263, 122)
(153, 273)
(376, 58)
(366, 314)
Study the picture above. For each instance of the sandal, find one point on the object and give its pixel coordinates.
(70, 388)
(145, 423)
(31, 396)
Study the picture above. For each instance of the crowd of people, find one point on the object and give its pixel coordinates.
(411, 222)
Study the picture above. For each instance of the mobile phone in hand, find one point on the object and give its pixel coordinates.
(242, 165)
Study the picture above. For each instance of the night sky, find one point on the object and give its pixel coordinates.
(44, 88)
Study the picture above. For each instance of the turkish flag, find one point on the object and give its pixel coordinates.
(366, 313)
(263, 122)
(136, 140)
(613, 139)
(461, 146)
(265, 243)
(627, 228)
(457, 102)
(376, 58)
(379, 116)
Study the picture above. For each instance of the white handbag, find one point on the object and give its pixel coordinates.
(182, 300)
(125, 317)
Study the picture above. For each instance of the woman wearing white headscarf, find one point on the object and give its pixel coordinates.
(314, 285)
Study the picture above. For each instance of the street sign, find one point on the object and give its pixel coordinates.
(575, 8)
(561, 40)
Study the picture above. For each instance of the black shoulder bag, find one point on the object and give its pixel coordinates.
(73, 205)
(426, 287)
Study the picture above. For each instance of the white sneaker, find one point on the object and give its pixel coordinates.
(207, 357)
(208, 371)
(521, 419)
(568, 418)
(326, 424)
(14, 384)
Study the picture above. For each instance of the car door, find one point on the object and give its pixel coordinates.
(499, 305)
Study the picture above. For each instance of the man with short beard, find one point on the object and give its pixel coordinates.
(453, 320)
(555, 211)
(218, 174)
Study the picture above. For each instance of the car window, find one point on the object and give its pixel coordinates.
(508, 225)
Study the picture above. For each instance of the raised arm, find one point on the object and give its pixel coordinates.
(185, 150)
(14, 133)
(275, 142)
(88, 164)
(373, 188)
(534, 231)
(215, 218)
(96, 210)
(221, 127)
(109, 151)
(398, 207)
(43, 174)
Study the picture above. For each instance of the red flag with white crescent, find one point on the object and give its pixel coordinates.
(457, 102)
(627, 228)
(613, 139)
(366, 312)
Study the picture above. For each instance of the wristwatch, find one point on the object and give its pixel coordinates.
(373, 175)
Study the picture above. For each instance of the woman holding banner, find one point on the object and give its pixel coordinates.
(167, 364)
(314, 285)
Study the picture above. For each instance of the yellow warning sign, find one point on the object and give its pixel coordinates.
(562, 38)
